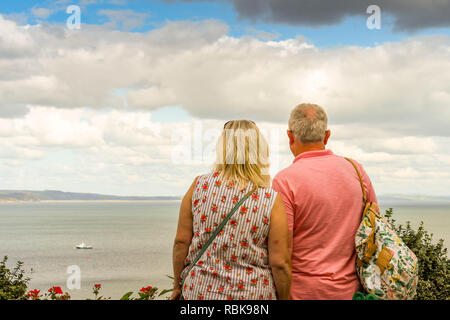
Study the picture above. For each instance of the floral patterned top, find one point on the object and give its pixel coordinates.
(235, 266)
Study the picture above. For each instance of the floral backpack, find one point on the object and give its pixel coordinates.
(386, 266)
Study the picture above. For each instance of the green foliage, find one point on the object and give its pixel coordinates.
(127, 296)
(13, 284)
(434, 264)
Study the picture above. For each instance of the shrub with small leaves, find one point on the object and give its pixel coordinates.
(13, 283)
(434, 264)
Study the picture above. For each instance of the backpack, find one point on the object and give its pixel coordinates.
(386, 267)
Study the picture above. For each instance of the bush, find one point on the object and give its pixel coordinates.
(13, 283)
(434, 265)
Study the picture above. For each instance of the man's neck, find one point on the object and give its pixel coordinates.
(309, 147)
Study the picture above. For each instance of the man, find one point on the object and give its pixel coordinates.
(323, 200)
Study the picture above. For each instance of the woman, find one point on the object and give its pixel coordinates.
(249, 258)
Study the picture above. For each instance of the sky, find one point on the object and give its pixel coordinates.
(131, 101)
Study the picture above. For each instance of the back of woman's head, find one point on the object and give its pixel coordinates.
(243, 154)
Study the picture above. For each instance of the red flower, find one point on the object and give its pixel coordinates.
(266, 220)
(55, 290)
(196, 201)
(223, 198)
(268, 195)
(218, 183)
(234, 223)
(230, 184)
(220, 289)
(97, 286)
(241, 285)
(233, 257)
(205, 186)
(207, 230)
(255, 240)
(254, 282)
(227, 267)
(254, 229)
(235, 199)
(146, 289)
(33, 294)
(216, 174)
(255, 195)
(249, 270)
(214, 208)
(244, 243)
(255, 208)
(243, 210)
(203, 218)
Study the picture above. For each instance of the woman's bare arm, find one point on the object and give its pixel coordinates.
(279, 250)
(183, 239)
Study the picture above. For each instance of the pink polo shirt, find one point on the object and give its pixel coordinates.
(323, 200)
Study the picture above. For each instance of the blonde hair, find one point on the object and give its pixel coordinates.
(308, 122)
(243, 154)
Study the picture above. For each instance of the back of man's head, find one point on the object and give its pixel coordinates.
(308, 123)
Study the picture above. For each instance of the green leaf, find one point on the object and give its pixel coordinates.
(126, 296)
(164, 292)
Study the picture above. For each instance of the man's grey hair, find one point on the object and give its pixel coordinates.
(308, 123)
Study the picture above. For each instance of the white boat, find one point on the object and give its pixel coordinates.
(83, 246)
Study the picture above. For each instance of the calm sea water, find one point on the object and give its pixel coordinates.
(132, 241)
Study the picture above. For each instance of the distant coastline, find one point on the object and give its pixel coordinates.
(61, 196)
(13, 196)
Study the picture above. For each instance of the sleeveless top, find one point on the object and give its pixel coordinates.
(235, 266)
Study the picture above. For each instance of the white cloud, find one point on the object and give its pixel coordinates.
(126, 19)
(402, 86)
(61, 99)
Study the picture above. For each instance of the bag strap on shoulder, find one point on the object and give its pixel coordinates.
(368, 210)
(360, 179)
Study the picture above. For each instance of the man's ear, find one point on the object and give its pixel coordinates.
(291, 137)
(327, 136)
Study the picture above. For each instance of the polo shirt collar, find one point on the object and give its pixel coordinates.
(311, 154)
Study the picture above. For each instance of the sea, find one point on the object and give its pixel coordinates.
(132, 242)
